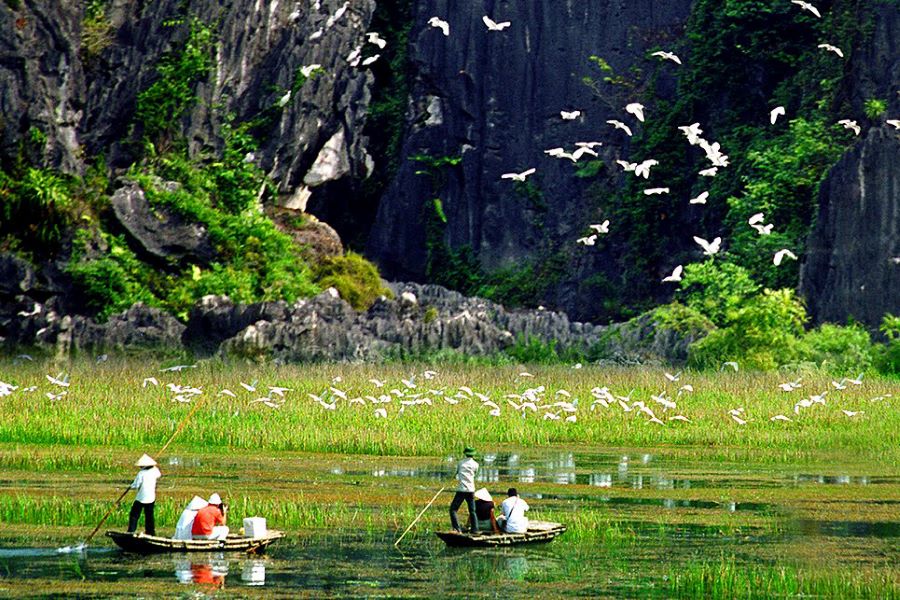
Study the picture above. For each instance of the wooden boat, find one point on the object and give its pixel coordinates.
(538, 532)
(151, 544)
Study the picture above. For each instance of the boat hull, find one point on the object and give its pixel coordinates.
(151, 544)
(539, 532)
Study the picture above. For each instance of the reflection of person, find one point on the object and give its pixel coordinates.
(513, 508)
(206, 574)
(209, 524)
(145, 498)
(186, 520)
(465, 491)
(484, 510)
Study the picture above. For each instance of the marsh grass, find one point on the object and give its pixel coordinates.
(729, 578)
(106, 406)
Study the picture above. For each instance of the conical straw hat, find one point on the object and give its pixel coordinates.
(145, 461)
(197, 503)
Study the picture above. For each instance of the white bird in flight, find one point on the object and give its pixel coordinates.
(374, 38)
(709, 248)
(807, 6)
(636, 109)
(757, 218)
(763, 229)
(781, 254)
(831, 48)
(775, 113)
(493, 25)
(370, 60)
(895, 123)
(589, 240)
(36, 310)
(656, 191)
(701, 199)
(620, 125)
(851, 125)
(518, 176)
(643, 169)
(581, 151)
(675, 276)
(710, 172)
(569, 115)
(308, 70)
(692, 132)
(441, 24)
(667, 56)
(601, 227)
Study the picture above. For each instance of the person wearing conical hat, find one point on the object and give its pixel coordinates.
(465, 491)
(145, 498)
(186, 520)
(484, 510)
(209, 524)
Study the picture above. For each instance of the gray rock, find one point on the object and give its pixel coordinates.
(852, 265)
(160, 232)
(493, 99)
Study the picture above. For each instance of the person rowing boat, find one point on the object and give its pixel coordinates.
(465, 491)
(145, 498)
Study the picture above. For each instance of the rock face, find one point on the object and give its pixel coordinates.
(852, 267)
(83, 98)
(494, 99)
(160, 233)
(421, 320)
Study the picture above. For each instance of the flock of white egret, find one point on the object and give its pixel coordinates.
(423, 390)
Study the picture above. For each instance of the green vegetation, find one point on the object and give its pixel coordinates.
(356, 279)
(161, 106)
(875, 107)
(731, 579)
(96, 30)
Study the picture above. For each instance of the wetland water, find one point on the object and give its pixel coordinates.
(637, 517)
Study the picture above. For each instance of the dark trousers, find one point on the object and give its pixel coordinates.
(469, 497)
(135, 514)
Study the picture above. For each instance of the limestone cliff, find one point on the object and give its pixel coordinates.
(852, 268)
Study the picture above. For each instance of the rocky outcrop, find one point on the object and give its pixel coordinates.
(494, 100)
(159, 233)
(852, 267)
(82, 96)
(140, 328)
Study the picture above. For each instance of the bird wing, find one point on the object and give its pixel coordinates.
(489, 22)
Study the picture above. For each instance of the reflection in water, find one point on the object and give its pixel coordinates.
(254, 572)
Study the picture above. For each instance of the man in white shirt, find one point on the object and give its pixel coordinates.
(513, 508)
(465, 475)
(145, 484)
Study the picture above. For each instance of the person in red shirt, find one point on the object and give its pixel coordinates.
(209, 524)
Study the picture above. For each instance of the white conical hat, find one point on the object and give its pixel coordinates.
(145, 461)
(214, 499)
(197, 503)
(483, 494)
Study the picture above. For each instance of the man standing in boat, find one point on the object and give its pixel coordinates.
(145, 499)
(465, 491)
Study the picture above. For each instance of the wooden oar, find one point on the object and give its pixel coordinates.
(427, 506)
(158, 454)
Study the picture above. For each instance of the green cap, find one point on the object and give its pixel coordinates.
(469, 451)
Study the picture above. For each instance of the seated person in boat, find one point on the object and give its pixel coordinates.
(484, 510)
(186, 521)
(209, 524)
(513, 519)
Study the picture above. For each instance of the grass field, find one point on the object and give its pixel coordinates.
(106, 405)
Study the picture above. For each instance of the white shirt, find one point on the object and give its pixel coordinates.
(145, 484)
(184, 525)
(514, 510)
(465, 474)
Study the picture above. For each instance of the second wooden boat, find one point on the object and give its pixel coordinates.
(538, 532)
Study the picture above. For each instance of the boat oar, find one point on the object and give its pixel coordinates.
(158, 454)
(416, 520)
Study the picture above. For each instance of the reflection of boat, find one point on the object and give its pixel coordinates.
(149, 544)
(538, 532)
